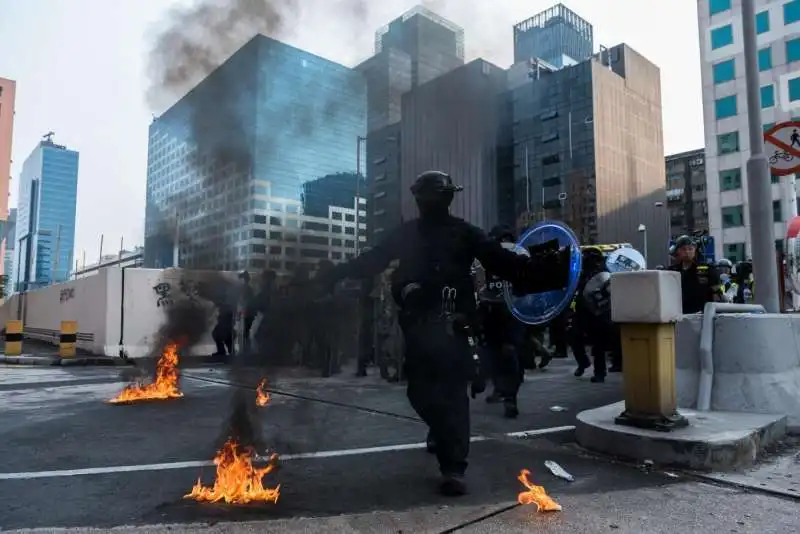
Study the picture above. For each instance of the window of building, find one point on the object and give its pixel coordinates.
(791, 12)
(260, 234)
(547, 138)
(725, 107)
(793, 50)
(722, 36)
(732, 216)
(768, 96)
(724, 71)
(547, 115)
(718, 6)
(730, 179)
(260, 219)
(765, 59)
(762, 22)
(734, 252)
(314, 240)
(794, 89)
(258, 249)
(728, 143)
(549, 160)
(776, 211)
(275, 250)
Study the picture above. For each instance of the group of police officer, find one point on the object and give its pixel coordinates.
(443, 322)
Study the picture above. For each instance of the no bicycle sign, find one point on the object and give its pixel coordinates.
(782, 144)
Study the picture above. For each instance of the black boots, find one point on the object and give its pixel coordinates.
(452, 485)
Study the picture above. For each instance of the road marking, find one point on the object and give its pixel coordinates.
(283, 457)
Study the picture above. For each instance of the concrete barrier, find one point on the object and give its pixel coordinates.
(756, 364)
(116, 309)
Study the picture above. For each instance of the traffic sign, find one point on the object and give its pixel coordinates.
(782, 144)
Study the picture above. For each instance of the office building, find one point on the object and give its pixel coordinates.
(285, 126)
(8, 255)
(7, 98)
(686, 193)
(557, 36)
(412, 50)
(460, 123)
(588, 148)
(725, 109)
(45, 227)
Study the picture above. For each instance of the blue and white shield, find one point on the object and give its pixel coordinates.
(541, 308)
(625, 259)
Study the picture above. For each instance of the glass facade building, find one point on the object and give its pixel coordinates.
(777, 24)
(45, 227)
(558, 36)
(686, 192)
(234, 165)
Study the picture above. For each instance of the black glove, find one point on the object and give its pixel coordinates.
(549, 269)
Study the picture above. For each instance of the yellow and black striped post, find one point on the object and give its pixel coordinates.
(13, 338)
(68, 339)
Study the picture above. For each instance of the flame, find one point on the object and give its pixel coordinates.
(165, 385)
(237, 481)
(536, 495)
(262, 395)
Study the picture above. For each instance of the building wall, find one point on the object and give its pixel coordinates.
(7, 98)
(557, 35)
(453, 124)
(292, 119)
(730, 153)
(384, 181)
(686, 192)
(629, 152)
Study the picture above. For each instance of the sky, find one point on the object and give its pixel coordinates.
(81, 72)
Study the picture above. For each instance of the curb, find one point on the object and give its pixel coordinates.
(714, 441)
(29, 360)
(57, 361)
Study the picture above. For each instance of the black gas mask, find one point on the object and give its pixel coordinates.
(434, 191)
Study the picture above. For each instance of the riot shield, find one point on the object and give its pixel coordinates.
(625, 259)
(541, 308)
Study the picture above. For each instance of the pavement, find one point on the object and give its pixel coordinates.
(352, 462)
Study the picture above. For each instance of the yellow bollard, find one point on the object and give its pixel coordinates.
(647, 304)
(13, 338)
(68, 339)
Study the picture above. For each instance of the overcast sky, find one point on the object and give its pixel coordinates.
(80, 72)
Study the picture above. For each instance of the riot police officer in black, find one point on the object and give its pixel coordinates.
(433, 288)
(699, 282)
(502, 334)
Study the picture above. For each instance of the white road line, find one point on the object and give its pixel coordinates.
(284, 457)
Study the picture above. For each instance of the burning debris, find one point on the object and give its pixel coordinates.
(165, 385)
(536, 495)
(262, 395)
(237, 480)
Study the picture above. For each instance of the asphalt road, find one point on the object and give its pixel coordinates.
(72, 460)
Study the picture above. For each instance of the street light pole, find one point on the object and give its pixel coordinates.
(643, 229)
(759, 185)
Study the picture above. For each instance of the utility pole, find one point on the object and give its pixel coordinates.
(759, 184)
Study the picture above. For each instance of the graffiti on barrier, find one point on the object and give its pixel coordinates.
(67, 294)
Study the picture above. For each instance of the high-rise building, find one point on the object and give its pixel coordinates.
(413, 49)
(45, 227)
(686, 192)
(232, 165)
(725, 108)
(7, 97)
(8, 256)
(557, 36)
(589, 148)
(460, 123)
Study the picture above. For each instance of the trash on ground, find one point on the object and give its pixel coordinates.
(558, 471)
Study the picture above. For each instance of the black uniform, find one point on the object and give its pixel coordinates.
(433, 288)
(699, 284)
(502, 334)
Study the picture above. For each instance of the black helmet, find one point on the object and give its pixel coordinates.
(244, 275)
(501, 232)
(592, 255)
(432, 183)
(725, 263)
(684, 241)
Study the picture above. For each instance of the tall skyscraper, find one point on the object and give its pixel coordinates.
(45, 228)
(7, 97)
(725, 108)
(8, 256)
(413, 49)
(589, 148)
(557, 35)
(460, 123)
(229, 163)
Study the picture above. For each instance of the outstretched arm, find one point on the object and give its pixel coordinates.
(367, 264)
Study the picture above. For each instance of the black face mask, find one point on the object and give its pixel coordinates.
(436, 206)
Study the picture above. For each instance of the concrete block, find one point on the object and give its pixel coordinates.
(646, 297)
(712, 441)
(756, 361)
